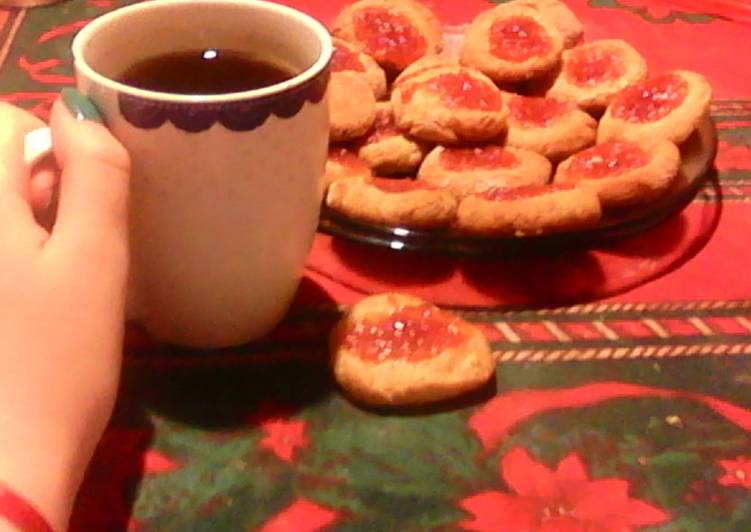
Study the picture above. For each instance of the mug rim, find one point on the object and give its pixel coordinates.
(313, 71)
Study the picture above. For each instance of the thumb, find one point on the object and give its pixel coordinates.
(95, 170)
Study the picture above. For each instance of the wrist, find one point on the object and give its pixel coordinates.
(16, 513)
(46, 472)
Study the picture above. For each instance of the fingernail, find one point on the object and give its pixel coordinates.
(80, 106)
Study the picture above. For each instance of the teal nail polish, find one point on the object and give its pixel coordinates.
(80, 106)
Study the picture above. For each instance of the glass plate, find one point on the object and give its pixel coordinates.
(697, 153)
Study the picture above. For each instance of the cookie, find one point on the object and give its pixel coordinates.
(593, 73)
(664, 107)
(352, 106)
(386, 149)
(342, 163)
(393, 349)
(623, 173)
(531, 210)
(450, 105)
(427, 63)
(466, 171)
(512, 43)
(347, 58)
(395, 33)
(561, 15)
(551, 127)
(392, 202)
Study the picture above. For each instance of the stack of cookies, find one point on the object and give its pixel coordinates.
(527, 130)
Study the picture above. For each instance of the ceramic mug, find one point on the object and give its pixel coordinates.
(226, 188)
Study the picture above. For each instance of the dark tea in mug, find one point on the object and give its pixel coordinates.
(208, 71)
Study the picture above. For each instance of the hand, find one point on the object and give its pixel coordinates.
(62, 295)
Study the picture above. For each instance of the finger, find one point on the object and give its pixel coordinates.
(95, 170)
(15, 212)
(14, 125)
(39, 157)
(43, 180)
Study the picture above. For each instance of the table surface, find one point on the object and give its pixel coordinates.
(623, 391)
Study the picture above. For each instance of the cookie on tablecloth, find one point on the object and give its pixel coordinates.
(512, 43)
(395, 33)
(530, 210)
(551, 127)
(561, 15)
(623, 173)
(450, 105)
(386, 149)
(664, 107)
(347, 58)
(593, 73)
(393, 202)
(352, 106)
(394, 349)
(342, 163)
(466, 171)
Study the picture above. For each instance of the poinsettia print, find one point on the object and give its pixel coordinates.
(284, 438)
(301, 516)
(736, 472)
(282, 435)
(563, 499)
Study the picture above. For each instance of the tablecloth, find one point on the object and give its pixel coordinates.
(623, 391)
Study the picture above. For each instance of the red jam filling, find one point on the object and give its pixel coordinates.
(411, 334)
(383, 128)
(536, 112)
(400, 185)
(609, 159)
(389, 37)
(518, 39)
(345, 59)
(591, 66)
(484, 158)
(460, 90)
(525, 192)
(650, 100)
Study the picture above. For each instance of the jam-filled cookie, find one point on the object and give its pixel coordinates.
(668, 106)
(466, 171)
(395, 33)
(392, 202)
(394, 349)
(549, 126)
(530, 210)
(561, 15)
(427, 63)
(623, 173)
(342, 163)
(593, 73)
(512, 43)
(450, 105)
(386, 149)
(347, 58)
(352, 106)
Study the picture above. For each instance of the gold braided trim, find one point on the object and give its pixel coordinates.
(621, 353)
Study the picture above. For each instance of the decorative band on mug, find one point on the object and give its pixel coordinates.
(237, 115)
